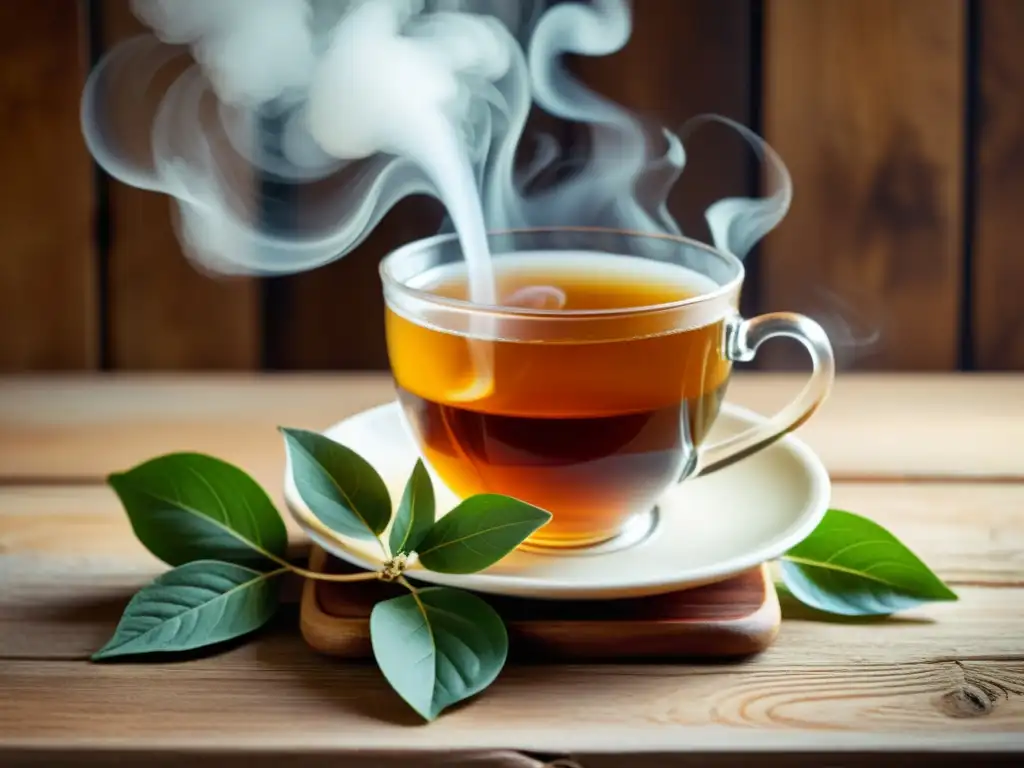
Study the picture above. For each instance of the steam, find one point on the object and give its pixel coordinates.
(348, 106)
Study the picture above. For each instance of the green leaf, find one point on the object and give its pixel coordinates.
(340, 487)
(852, 566)
(188, 506)
(195, 605)
(438, 646)
(478, 533)
(415, 513)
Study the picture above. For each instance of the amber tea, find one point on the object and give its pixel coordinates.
(569, 401)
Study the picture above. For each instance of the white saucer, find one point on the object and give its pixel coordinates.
(708, 528)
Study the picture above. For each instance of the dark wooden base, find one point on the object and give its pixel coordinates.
(733, 618)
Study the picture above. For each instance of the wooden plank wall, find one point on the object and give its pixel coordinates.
(161, 312)
(864, 101)
(997, 267)
(49, 289)
(900, 121)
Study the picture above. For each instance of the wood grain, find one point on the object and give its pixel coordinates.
(48, 271)
(864, 101)
(999, 187)
(971, 534)
(283, 697)
(163, 312)
(872, 426)
(50, 426)
(860, 751)
(940, 681)
(730, 619)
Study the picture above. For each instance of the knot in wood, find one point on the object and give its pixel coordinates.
(967, 700)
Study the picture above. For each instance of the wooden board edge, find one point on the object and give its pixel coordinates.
(729, 638)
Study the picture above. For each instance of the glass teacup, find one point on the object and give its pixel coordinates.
(591, 385)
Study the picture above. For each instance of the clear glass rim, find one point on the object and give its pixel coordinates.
(416, 246)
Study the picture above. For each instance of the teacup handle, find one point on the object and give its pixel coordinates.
(743, 337)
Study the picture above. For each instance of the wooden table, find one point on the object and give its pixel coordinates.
(939, 460)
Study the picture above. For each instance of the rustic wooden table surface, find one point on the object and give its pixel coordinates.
(938, 459)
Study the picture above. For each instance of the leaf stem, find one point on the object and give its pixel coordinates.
(419, 603)
(317, 575)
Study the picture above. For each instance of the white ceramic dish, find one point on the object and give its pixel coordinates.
(707, 529)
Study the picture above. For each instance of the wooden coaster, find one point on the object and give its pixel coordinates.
(732, 618)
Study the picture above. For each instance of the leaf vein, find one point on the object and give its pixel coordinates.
(341, 491)
(826, 566)
(473, 535)
(213, 521)
(176, 621)
(216, 497)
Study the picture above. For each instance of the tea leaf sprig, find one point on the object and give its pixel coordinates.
(435, 646)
